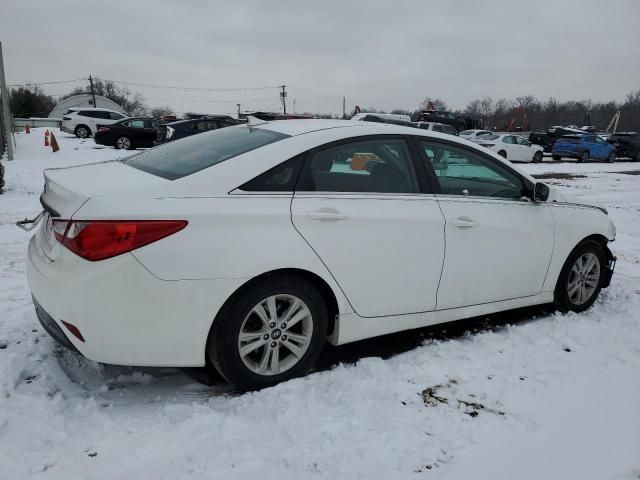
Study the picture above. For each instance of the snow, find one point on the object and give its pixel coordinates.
(523, 395)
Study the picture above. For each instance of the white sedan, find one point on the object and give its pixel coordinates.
(474, 134)
(512, 147)
(246, 248)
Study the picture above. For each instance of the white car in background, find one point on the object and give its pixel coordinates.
(83, 122)
(474, 134)
(512, 147)
(246, 248)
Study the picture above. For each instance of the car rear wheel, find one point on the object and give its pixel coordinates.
(584, 156)
(82, 131)
(269, 332)
(123, 143)
(637, 157)
(502, 153)
(537, 157)
(581, 277)
(611, 158)
(556, 157)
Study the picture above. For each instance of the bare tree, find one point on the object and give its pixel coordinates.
(433, 103)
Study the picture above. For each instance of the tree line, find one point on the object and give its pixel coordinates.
(531, 113)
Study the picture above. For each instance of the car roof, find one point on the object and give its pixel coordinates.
(199, 119)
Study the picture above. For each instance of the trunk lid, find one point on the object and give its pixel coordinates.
(66, 189)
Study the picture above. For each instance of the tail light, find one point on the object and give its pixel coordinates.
(103, 129)
(487, 144)
(170, 132)
(96, 240)
(66, 118)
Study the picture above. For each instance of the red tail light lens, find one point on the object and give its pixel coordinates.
(103, 129)
(101, 239)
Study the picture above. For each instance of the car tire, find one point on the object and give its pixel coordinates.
(254, 369)
(537, 157)
(584, 156)
(637, 157)
(579, 286)
(123, 143)
(556, 157)
(611, 158)
(82, 131)
(502, 153)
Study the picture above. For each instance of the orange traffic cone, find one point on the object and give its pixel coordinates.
(26, 130)
(46, 138)
(46, 132)
(54, 143)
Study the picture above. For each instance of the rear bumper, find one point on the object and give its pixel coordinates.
(126, 315)
(51, 327)
(102, 139)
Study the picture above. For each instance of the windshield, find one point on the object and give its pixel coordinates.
(183, 157)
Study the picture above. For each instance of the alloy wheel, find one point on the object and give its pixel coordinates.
(123, 143)
(82, 132)
(275, 334)
(583, 278)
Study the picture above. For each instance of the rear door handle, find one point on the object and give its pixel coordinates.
(327, 214)
(463, 222)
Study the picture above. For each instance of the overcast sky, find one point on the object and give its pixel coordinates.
(385, 54)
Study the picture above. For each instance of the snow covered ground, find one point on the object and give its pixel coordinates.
(531, 395)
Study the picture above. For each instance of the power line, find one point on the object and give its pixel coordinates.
(37, 84)
(199, 89)
(195, 100)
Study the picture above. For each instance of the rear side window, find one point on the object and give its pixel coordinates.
(359, 166)
(281, 178)
(87, 113)
(188, 155)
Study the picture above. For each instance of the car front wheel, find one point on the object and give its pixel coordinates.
(269, 332)
(611, 158)
(581, 277)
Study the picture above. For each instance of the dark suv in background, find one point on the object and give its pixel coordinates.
(447, 118)
(626, 144)
(184, 128)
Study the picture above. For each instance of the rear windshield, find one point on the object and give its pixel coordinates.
(183, 157)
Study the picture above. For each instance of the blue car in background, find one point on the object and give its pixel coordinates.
(583, 147)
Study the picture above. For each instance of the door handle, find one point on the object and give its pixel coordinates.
(463, 222)
(327, 214)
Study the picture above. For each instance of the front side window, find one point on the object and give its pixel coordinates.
(372, 166)
(464, 172)
(508, 139)
(522, 141)
(191, 154)
(115, 116)
(138, 123)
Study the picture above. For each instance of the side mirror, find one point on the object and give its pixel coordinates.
(540, 192)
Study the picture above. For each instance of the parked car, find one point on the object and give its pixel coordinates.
(83, 122)
(199, 253)
(366, 117)
(184, 128)
(441, 116)
(127, 134)
(437, 127)
(583, 147)
(512, 147)
(474, 134)
(626, 144)
(543, 139)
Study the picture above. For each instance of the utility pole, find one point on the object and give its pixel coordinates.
(344, 110)
(294, 106)
(283, 96)
(238, 110)
(6, 115)
(93, 93)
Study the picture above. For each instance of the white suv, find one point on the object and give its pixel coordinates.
(82, 122)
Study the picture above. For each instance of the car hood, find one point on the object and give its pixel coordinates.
(557, 196)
